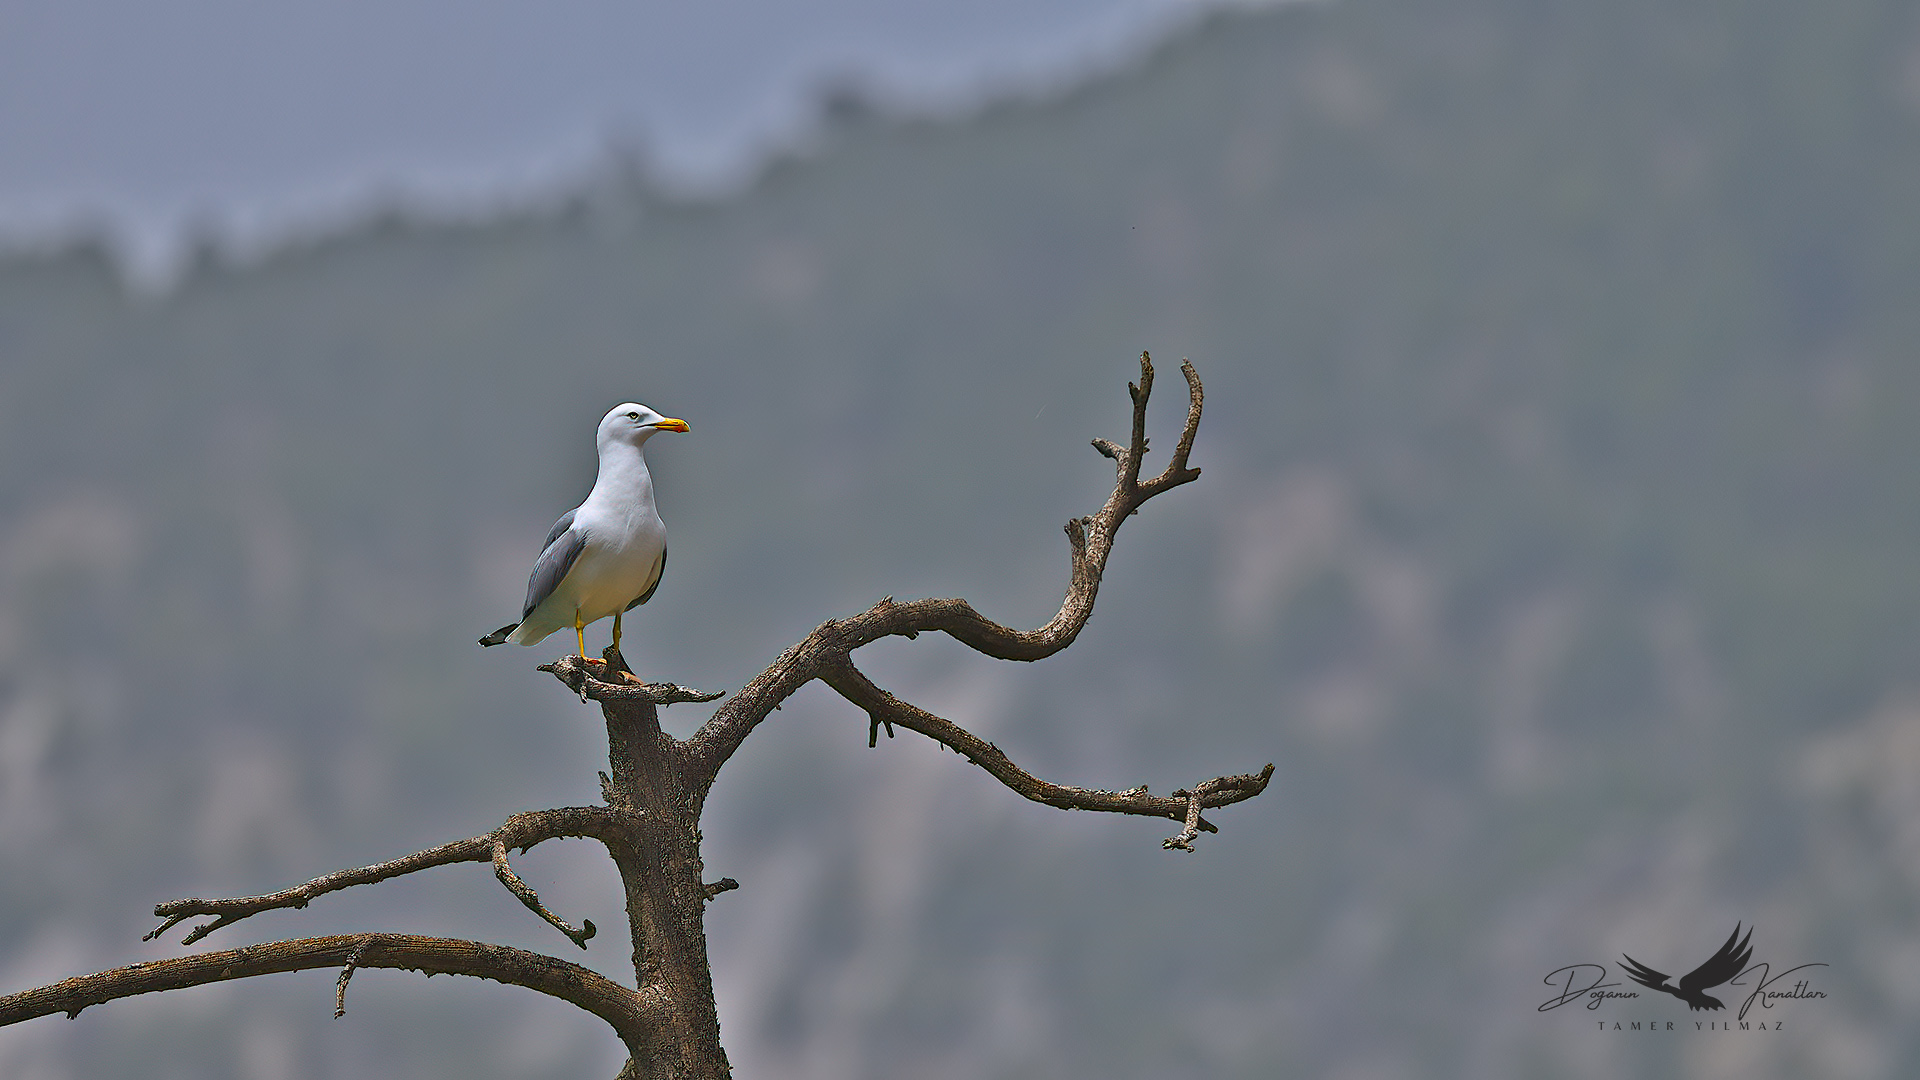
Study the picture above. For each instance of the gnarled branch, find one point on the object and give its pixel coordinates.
(1090, 539)
(521, 831)
(616, 684)
(826, 654)
(883, 707)
(631, 1016)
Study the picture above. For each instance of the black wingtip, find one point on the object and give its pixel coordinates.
(498, 636)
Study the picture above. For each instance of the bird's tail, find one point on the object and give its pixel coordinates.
(499, 635)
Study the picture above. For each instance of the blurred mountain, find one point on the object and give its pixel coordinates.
(1556, 539)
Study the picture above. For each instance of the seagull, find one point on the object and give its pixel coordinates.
(603, 557)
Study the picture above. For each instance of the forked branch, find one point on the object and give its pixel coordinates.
(826, 654)
(521, 831)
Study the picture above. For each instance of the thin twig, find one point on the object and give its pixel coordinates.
(1184, 841)
(346, 973)
(578, 935)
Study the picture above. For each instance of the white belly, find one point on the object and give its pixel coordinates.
(602, 581)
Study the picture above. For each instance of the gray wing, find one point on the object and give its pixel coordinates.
(564, 545)
(565, 523)
(655, 587)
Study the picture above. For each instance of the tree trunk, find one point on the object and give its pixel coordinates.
(658, 853)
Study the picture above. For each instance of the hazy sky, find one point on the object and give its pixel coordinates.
(244, 115)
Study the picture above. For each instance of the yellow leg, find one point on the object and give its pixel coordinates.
(580, 631)
(616, 631)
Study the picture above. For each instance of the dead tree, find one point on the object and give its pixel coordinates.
(650, 823)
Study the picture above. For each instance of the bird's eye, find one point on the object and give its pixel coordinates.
(633, 416)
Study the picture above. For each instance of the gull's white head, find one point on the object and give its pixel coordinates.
(633, 424)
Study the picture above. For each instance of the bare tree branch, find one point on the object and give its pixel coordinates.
(630, 1015)
(521, 831)
(577, 934)
(1216, 792)
(883, 707)
(1090, 539)
(826, 654)
(578, 673)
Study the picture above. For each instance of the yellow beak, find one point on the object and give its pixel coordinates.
(670, 424)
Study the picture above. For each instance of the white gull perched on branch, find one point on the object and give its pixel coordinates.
(605, 556)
